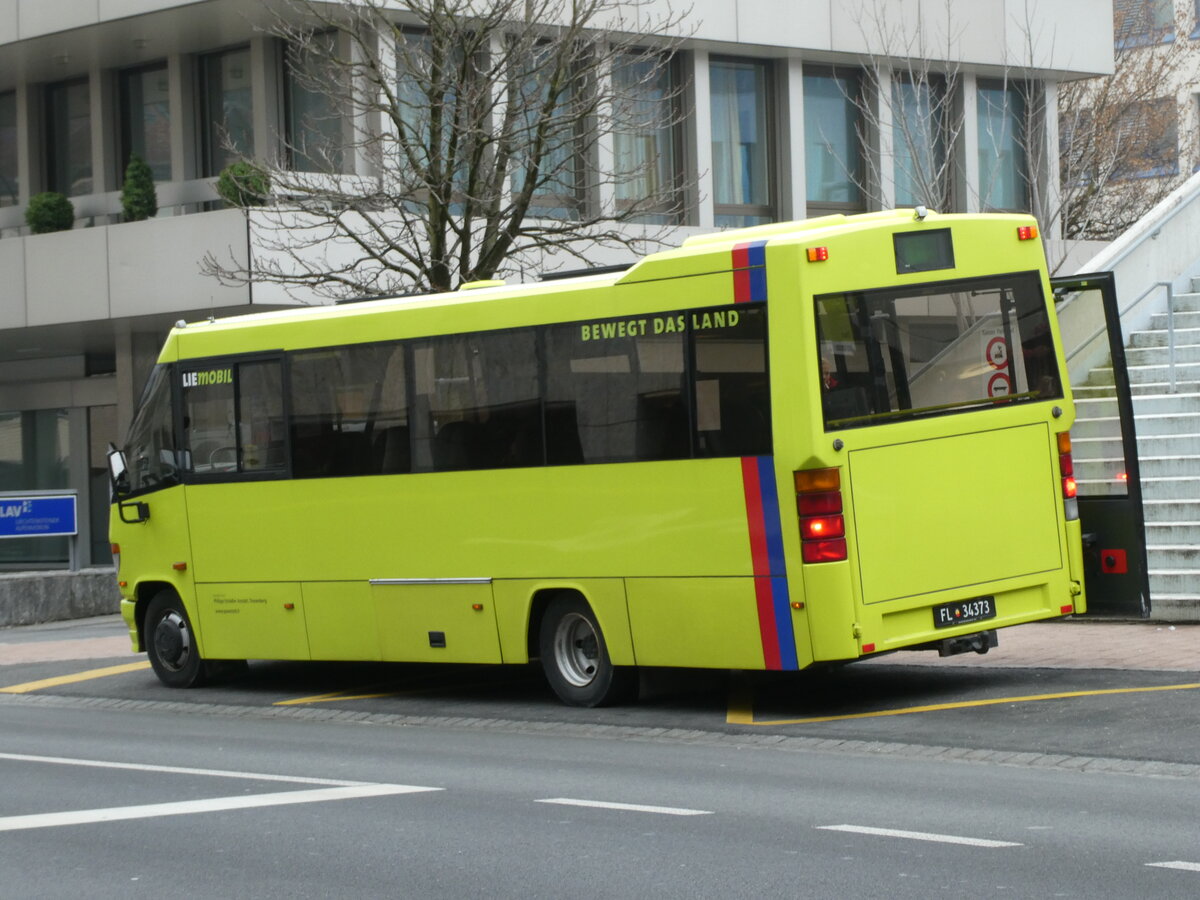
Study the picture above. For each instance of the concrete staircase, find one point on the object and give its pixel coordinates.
(1168, 432)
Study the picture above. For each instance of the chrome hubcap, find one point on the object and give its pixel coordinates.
(172, 641)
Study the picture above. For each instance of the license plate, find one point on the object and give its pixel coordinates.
(977, 609)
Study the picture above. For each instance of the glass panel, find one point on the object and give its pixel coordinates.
(209, 414)
(918, 142)
(146, 119)
(733, 396)
(615, 390)
(1003, 175)
(644, 139)
(314, 124)
(480, 401)
(69, 138)
(933, 349)
(832, 157)
(150, 449)
(261, 431)
(33, 456)
(349, 412)
(559, 185)
(741, 142)
(9, 180)
(227, 127)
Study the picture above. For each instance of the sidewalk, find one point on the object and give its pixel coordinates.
(1055, 645)
(1081, 645)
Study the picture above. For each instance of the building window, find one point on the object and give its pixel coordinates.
(646, 143)
(69, 138)
(9, 176)
(555, 123)
(1137, 23)
(833, 128)
(227, 121)
(315, 140)
(919, 142)
(146, 119)
(742, 139)
(1003, 168)
(34, 447)
(1149, 133)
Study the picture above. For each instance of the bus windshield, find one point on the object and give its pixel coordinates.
(933, 349)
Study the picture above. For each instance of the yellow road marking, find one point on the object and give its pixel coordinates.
(741, 707)
(29, 686)
(336, 695)
(411, 692)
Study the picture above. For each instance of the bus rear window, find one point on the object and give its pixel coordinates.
(932, 349)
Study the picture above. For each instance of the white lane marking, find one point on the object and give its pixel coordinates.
(1177, 864)
(176, 770)
(217, 804)
(919, 836)
(628, 807)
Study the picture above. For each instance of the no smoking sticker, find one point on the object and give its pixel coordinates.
(997, 353)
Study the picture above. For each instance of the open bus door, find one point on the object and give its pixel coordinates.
(1104, 446)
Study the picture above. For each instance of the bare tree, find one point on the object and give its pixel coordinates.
(1120, 143)
(457, 140)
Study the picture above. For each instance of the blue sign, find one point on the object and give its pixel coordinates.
(41, 516)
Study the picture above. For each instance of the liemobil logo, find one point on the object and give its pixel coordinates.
(16, 510)
(210, 377)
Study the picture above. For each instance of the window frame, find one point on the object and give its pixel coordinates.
(857, 179)
(54, 148)
(125, 135)
(212, 131)
(768, 104)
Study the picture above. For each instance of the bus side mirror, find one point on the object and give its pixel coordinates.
(118, 472)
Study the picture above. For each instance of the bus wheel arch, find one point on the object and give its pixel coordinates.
(170, 641)
(574, 653)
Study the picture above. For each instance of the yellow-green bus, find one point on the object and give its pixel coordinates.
(799, 443)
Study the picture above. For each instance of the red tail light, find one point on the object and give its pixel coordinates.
(822, 525)
(1066, 470)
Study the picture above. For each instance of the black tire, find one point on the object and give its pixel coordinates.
(575, 657)
(171, 643)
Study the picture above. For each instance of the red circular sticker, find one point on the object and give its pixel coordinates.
(997, 353)
(999, 385)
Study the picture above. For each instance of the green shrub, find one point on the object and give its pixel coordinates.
(139, 200)
(49, 211)
(243, 184)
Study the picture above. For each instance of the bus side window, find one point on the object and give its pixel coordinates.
(733, 399)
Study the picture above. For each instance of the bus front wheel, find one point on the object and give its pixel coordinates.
(575, 657)
(171, 643)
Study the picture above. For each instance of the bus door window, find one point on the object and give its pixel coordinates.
(233, 417)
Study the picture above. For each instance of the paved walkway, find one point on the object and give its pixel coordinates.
(1071, 645)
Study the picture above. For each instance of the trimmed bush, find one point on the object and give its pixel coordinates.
(243, 184)
(49, 211)
(139, 200)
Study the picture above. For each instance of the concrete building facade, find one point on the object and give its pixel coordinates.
(84, 84)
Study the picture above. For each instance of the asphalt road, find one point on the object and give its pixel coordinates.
(365, 780)
(113, 803)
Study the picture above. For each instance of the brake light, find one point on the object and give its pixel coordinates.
(818, 254)
(1066, 471)
(1027, 232)
(819, 505)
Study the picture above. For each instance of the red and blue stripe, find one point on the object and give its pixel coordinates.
(770, 573)
(750, 272)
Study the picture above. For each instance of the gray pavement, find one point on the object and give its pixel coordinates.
(1060, 645)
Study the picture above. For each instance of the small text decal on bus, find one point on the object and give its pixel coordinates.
(599, 331)
(203, 379)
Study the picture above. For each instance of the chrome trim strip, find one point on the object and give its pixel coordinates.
(386, 581)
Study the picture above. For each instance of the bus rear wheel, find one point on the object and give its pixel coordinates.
(575, 657)
(171, 643)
